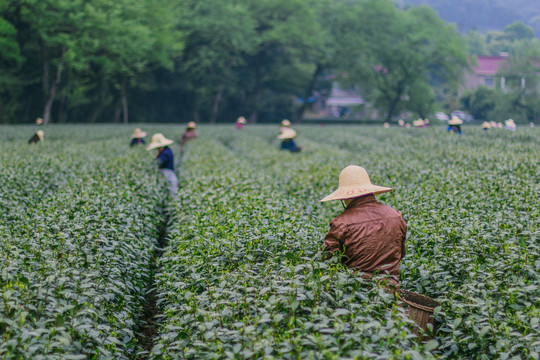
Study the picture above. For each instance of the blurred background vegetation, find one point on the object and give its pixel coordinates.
(213, 60)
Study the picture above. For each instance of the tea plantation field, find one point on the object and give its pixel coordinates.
(237, 271)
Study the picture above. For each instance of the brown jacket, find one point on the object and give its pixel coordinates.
(370, 235)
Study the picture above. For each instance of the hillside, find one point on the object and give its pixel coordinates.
(484, 15)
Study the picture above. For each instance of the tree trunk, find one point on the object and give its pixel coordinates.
(124, 103)
(257, 93)
(308, 93)
(117, 112)
(392, 108)
(45, 81)
(195, 111)
(215, 106)
(52, 89)
(62, 108)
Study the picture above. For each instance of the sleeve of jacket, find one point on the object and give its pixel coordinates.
(333, 239)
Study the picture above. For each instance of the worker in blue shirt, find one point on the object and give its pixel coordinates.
(288, 142)
(165, 159)
(137, 137)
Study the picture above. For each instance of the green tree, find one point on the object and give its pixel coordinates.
(480, 102)
(400, 52)
(10, 61)
(521, 83)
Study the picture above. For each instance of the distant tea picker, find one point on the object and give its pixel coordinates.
(165, 160)
(137, 137)
(240, 123)
(39, 136)
(288, 143)
(189, 134)
(369, 237)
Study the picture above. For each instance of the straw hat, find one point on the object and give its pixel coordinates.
(285, 122)
(493, 124)
(191, 125)
(40, 134)
(241, 120)
(158, 141)
(354, 182)
(39, 121)
(455, 121)
(386, 125)
(418, 122)
(510, 122)
(287, 134)
(401, 122)
(486, 125)
(137, 134)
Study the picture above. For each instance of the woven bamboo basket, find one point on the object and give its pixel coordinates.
(419, 308)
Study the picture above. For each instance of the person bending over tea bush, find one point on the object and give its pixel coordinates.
(165, 160)
(37, 137)
(288, 142)
(137, 137)
(369, 236)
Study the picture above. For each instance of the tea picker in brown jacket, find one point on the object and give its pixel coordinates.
(368, 235)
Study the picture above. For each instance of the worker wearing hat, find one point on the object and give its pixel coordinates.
(165, 159)
(240, 122)
(454, 125)
(288, 143)
(189, 134)
(419, 123)
(368, 236)
(285, 125)
(137, 137)
(510, 125)
(486, 126)
(37, 137)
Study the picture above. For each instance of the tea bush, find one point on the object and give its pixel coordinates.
(242, 277)
(77, 229)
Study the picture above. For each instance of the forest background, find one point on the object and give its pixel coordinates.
(212, 60)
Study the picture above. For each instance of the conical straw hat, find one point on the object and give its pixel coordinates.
(418, 122)
(285, 122)
(510, 122)
(40, 134)
(158, 140)
(39, 121)
(191, 125)
(287, 134)
(241, 120)
(486, 125)
(455, 121)
(354, 182)
(137, 134)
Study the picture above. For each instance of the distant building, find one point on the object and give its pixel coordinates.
(340, 102)
(483, 74)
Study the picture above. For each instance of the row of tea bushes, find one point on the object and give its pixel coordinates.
(77, 229)
(471, 204)
(242, 277)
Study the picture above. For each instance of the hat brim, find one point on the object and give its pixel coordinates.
(152, 146)
(355, 191)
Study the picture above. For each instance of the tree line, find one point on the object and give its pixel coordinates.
(213, 60)
(516, 90)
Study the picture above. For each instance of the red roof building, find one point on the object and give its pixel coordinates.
(483, 73)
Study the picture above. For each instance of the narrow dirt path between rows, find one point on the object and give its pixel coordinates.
(148, 327)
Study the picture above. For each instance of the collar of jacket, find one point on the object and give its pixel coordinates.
(359, 201)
